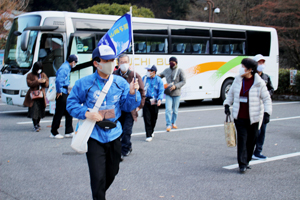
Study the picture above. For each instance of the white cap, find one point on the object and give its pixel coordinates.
(259, 57)
(104, 52)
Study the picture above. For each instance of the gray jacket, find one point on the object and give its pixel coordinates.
(179, 80)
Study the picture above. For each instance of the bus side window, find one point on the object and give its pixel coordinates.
(156, 44)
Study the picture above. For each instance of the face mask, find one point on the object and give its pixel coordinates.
(148, 74)
(172, 65)
(107, 68)
(242, 71)
(124, 67)
(39, 71)
(260, 68)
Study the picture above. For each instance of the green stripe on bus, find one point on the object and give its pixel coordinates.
(225, 68)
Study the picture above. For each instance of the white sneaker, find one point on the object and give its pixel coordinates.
(58, 136)
(152, 134)
(148, 139)
(69, 135)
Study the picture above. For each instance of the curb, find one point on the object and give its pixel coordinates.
(285, 97)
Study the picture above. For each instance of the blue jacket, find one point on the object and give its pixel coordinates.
(63, 78)
(85, 93)
(154, 87)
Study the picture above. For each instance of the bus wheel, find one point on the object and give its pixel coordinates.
(225, 89)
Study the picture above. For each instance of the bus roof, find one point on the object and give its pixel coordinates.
(76, 15)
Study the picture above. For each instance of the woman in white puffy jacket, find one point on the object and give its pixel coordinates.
(251, 103)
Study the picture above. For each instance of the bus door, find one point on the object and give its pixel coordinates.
(51, 52)
(82, 44)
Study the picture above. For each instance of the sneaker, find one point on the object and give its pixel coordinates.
(122, 157)
(168, 128)
(152, 134)
(58, 136)
(39, 126)
(174, 126)
(148, 139)
(69, 135)
(259, 157)
(36, 128)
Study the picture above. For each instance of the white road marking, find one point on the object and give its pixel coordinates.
(254, 162)
(222, 108)
(14, 111)
(183, 129)
(212, 126)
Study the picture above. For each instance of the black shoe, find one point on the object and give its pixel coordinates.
(129, 152)
(248, 167)
(122, 157)
(243, 169)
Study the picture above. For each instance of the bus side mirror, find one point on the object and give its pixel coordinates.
(24, 40)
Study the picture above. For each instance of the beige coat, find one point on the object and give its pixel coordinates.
(33, 84)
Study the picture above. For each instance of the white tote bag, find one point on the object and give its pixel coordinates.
(80, 139)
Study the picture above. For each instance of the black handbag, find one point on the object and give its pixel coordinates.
(168, 88)
(106, 124)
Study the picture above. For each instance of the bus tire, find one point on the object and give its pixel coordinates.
(224, 90)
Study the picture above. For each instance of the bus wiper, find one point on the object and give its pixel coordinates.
(82, 66)
(4, 68)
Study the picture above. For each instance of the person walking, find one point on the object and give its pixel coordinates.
(36, 80)
(154, 90)
(104, 145)
(262, 131)
(251, 103)
(175, 78)
(127, 118)
(62, 82)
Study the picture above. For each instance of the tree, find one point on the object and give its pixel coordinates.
(232, 11)
(284, 15)
(9, 8)
(57, 5)
(117, 9)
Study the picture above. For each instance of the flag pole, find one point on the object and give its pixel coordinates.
(132, 48)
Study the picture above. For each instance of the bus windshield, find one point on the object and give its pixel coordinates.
(16, 60)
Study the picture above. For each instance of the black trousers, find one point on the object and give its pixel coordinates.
(126, 121)
(103, 161)
(150, 113)
(61, 110)
(246, 138)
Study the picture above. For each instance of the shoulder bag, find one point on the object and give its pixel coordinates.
(36, 94)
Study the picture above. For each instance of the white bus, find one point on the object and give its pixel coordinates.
(209, 53)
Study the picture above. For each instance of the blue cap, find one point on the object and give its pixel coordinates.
(72, 58)
(152, 68)
(104, 52)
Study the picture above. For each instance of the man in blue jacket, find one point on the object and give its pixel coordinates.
(104, 145)
(62, 82)
(154, 89)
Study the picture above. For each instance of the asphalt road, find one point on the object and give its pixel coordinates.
(192, 162)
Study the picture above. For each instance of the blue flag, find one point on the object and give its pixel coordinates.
(118, 37)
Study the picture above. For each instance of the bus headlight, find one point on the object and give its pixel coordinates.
(23, 93)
